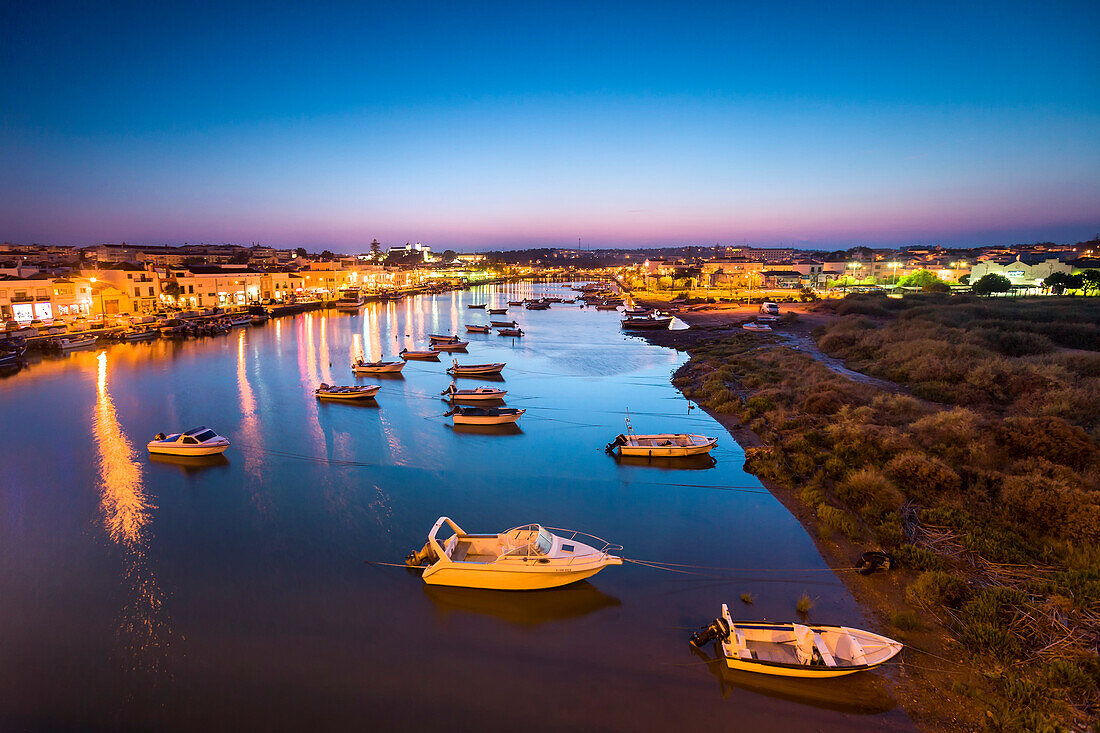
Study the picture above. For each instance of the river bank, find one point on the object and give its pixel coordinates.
(867, 463)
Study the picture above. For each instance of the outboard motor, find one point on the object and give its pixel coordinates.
(160, 436)
(610, 448)
(423, 556)
(719, 630)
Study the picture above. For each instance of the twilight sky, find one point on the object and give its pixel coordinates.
(496, 125)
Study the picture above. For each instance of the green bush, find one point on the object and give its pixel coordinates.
(921, 476)
(837, 520)
(935, 588)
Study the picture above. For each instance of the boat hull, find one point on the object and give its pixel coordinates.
(357, 395)
(486, 419)
(794, 671)
(383, 369)
(523, 578)
(185, 450)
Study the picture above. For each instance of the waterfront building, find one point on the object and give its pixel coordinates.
(43, 298)
(1022, 272)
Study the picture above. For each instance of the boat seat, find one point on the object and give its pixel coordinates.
(460, 551)
(823, 650)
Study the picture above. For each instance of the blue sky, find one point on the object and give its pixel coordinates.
(475, 125)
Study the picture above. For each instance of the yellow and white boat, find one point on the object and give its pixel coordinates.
(531, 557)
(796, 650)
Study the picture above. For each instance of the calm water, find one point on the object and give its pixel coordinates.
(138, 593)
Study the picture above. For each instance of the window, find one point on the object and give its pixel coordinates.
(205, 436)
(188, 440)
(150, 291)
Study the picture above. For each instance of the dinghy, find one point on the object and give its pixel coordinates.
(480, 393)
(484, 415)
(647, 322)
(537, 306)
(452, 345)
(200, 441)
(516, 332)
(423, 355)
(358, 392)
(796, 650)
(480, 305)
(470, 370)
(756, 327)
(504, 324)
(607, 307)
(477, 329)
(515, 302)
(531, 557)
(377, 367)
(498, 311)
(435, 337)
(67, 343)
(663, 445)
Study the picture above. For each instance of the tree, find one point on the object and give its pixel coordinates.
(1057, 282)
(301, 252)
(449, 255)
(375, 248)
(991, 283)
(1090, 281)
(171, 289)
(920, 279)
(939, 286)
(965, 279)
(327, 255)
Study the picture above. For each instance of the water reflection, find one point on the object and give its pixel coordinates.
(192, 464)
(531, 608)
(511, 429)
(690, 463)
(857, 694)
(143, 630)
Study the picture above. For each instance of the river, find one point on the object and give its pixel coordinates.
(139, 593)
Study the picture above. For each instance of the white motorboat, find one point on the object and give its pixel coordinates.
(477, 329)
(484, 415)
(351, 299)
(474, 370)
(377, 367)
(356, 392)
(663, 445)
(200, 441)
(479, 393)
(796, 650)
(68, 343)
(422, 355)
(240, 319)
(756, 327)
(453, 345)
(514, 332)
(530, 557)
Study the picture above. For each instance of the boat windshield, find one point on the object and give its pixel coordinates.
(543, 542)
(205, 436)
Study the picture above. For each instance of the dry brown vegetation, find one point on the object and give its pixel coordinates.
(985, 483)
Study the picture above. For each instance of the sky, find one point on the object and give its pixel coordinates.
(484, 125)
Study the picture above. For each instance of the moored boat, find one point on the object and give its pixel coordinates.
(434, 337)
(472, 395)
(515, 332)
(537, 306)
(503, 324)
(140, 334)
(351, 299)
(422, 355)
(477, 329)
(515, 302)
(647, 322)
(796, 650)
(356, 392)
(376, 367)
(662, 445)
(200, 441)
(477, 305)
(449, 345)
(484, 415)
(498, 311)
(460, 370)
(530, 557)
(68, 343)
(756, 327)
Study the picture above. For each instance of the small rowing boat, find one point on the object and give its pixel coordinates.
(451, 345)
(498, 311)
(756, 327)
(515, 332)
(796, 650)
(477, 329)
(479, 305)
(358, 392)
(435, 337)
(422, 355)
(484, 415)
(647, 322)
(477, 394)
(377, 367)
(67, 343)
(473, 370)
(504, 324)
(515, 302)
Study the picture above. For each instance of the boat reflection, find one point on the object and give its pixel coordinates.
(190, 464)
(858, 694)
(527, 608)
(681, 463)
(510, 429)
(370, 403)
(481, 377)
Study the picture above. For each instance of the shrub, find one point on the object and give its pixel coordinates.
(906, 620)
(918, 558)
(1051, 438)
(921, 476)
(869, 491)
(935, 588)
(804, 604)
(837, 520)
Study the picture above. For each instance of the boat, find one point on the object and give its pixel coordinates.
(423, 355)
(240, 319)
(504, 324)
(356, 392)
(647, 322)
(796, 650)
(570, 301)
(140, 334)
(484, 415)
(756, 327)
(479, 393)
(350, 299)
(536, 306)
(433, 337)
(376, 367)
(477, 329)
(449, 345)
(637, 312)
(530, 557)
(498, 311)
(479, 305)
(67, 343)
(200, 441)
(260, 318)
(662, 445)
(515, 302)
(607, 307)
(515, 332)
(471, 370)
